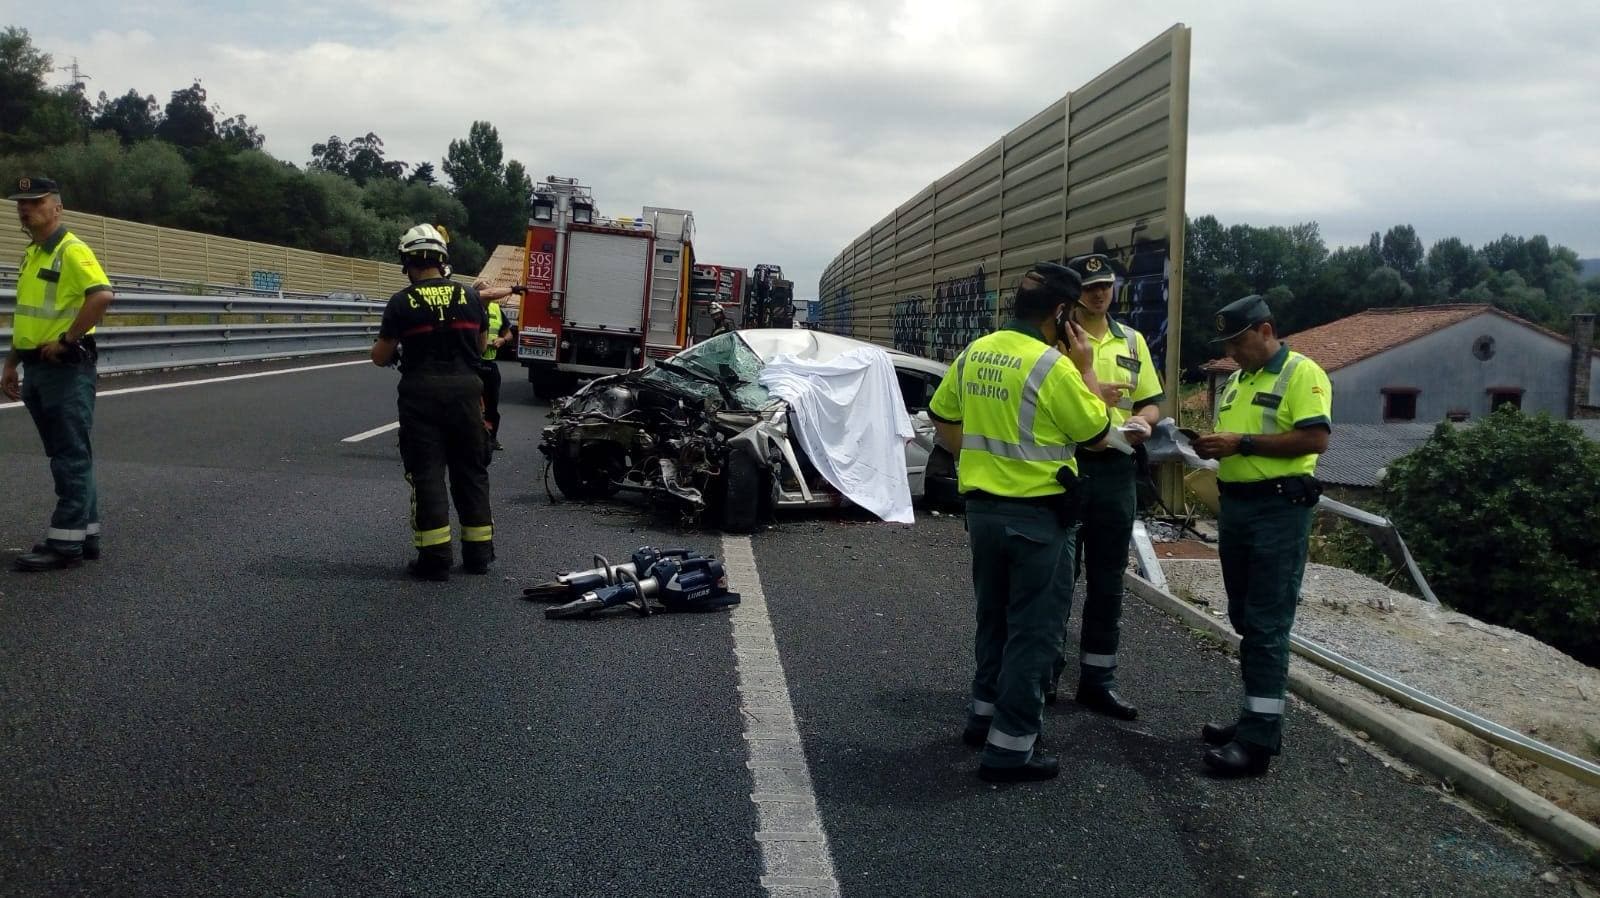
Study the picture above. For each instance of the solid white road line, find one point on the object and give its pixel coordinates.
(209, 380)
(371, 433)
(794, 848)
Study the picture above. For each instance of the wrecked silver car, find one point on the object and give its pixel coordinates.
(699, 433)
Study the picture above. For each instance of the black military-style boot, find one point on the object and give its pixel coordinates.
(1105, 701)
(91, 548)
(1238, 759)
(976, 736)
(46, 557)
(1039, 767)
(1218, 733)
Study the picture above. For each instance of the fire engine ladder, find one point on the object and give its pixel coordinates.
(665, 283)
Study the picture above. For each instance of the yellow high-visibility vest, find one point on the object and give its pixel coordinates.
(1023, 408)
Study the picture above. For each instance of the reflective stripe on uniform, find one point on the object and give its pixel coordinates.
(435, 537)
(1269, 414)
(1092, 660)
(1256, 705)
(477, 534)
(1029, 409)
(1015, 451)
(1014, 743)
(93, 530)
(66, 536)
(982, 709)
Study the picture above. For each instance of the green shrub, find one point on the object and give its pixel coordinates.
(1504, 518)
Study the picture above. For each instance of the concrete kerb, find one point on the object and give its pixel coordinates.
(1568, 834)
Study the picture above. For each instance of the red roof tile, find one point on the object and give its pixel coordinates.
(1338, 344)
(504, 267)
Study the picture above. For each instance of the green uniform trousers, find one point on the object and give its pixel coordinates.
(60, 399)
(1107, 481)
(1022, 560)
(1263, 542)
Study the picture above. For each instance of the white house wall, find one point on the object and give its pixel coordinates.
(1442, 366)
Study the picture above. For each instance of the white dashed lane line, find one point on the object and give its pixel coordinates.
(368, 434)
(794, 848)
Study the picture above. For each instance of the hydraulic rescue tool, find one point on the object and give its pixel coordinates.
(676, 579)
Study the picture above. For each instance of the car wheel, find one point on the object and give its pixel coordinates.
(940, 489)
(743, 483)
(550, 385)
(588, 476)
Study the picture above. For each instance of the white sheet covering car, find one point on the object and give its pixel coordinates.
(840, 408)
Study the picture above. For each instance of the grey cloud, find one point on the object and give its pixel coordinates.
(790, 128)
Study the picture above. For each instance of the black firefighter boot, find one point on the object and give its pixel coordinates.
(475, 557)
(432, 563)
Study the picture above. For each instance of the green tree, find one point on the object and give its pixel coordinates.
(423, 174)
(189, 123)
(1454, 266)
(494, 193)
(1504, 519)
(1402, 251)
(131, 117)
(238, 134)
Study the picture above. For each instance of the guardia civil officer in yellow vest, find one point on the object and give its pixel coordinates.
(1016, 404)
(437, 330)
(62, 293)
(1130, 389)
(489, 371)
(1273, 419)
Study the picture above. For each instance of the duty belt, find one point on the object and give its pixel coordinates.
(1256, 489)
(1049, 501)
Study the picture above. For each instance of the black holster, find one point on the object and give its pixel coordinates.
(1069, 507)
(1304, 490)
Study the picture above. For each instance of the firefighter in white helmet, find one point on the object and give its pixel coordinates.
(719, 320)
(437, 330)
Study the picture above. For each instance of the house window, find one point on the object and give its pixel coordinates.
(1499, 396)
(1400, 403)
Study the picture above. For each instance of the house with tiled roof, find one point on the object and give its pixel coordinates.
(505, 267)
(1456, 362)
(1397, 373)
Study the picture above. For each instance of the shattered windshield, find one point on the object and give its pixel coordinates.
(724, 358)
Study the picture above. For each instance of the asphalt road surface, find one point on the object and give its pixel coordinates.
(247, 696)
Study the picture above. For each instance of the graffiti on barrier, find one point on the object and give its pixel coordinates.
(1144, 269)
(962, 310)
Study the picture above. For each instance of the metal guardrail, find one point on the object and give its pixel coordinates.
(236, 332)
(146, 285)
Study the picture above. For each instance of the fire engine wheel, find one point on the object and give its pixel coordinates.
(743, 483)
(589, 476)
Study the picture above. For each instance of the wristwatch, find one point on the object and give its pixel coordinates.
(1247, 444)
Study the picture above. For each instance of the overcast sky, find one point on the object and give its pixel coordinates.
(790, 127)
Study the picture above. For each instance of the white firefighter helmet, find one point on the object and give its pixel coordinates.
(716, 308)
(425, 239)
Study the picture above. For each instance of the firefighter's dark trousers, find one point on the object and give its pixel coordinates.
(1107, 481)
(1263, 542)
(441, 433)
(60, 398)
(489, 373)
(1022, 577)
